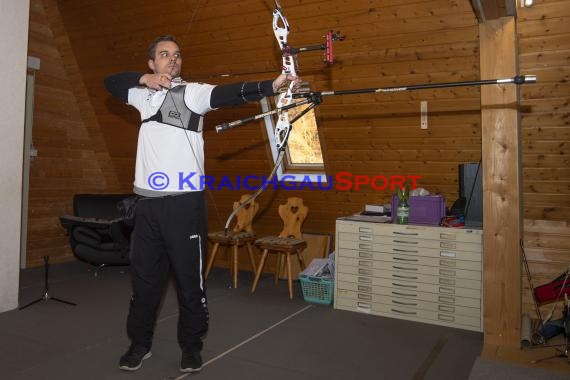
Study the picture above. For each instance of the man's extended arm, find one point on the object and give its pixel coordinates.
(239, 93)
(222, 95)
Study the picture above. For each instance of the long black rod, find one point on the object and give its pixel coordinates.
(225, 126)
(519, 79)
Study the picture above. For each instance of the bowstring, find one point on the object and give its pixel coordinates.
(199, 6)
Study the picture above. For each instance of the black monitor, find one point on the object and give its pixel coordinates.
(471, 188)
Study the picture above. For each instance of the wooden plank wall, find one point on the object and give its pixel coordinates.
(72, 157)
(544, 48)
(388, 43)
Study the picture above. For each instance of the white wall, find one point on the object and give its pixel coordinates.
(14, 17)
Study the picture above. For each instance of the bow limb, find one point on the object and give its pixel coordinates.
(281, 31)
(257, 192)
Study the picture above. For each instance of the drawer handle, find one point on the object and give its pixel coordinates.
(446, 309)
(405, 303)
(405, 277)
(362, 288)
(405, 242)
(365, 238)
(404, 250)
(405, 286)
(445, 236)
(448, 245)
(365, 246)
(405, 233)
(404, 294)
(446, 290)
(404, 312)
(365, 255)
(447, 281)
(364, 263)
(366, 272)
(446, 318)
(444, 299)
(364, 305)
(404, 268)
(365, 229)
(447, 254)
(365, 280)
(405, 259)
(447, 263)
(446, 272)
(366, 297)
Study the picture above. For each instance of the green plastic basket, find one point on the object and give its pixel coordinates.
(317, 289)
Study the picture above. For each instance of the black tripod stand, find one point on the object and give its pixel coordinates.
(46, 296)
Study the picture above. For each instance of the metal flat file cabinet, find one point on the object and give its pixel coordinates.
(418, 273)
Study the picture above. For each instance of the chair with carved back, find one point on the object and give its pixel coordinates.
(289, 242)
(241, 235)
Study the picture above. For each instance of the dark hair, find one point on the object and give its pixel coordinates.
(152, 47)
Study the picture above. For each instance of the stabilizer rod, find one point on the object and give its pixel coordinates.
(519, 79)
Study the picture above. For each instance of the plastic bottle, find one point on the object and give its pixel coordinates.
(403, 210)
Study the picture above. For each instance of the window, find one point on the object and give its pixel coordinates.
(304, 144)
(303, 158)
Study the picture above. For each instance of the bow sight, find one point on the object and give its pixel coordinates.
(327, 46)
(281, 30)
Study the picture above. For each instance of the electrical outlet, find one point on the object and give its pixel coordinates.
(423, 115)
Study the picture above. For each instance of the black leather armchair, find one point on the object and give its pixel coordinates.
(97, 233)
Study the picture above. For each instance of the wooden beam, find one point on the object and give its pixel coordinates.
(487, 10)
(502, 215)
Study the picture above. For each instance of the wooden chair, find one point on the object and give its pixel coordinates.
(241, 235)
(289, 242)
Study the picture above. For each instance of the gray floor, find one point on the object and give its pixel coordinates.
(252, 336)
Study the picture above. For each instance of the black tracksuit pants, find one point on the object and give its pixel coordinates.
(170, 235)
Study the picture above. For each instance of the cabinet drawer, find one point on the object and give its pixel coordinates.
(393, 301)
(407, 313)
(396, 259)
(410, 278)
(411, 231)
(410, 286)
(343, 286)
(409, 268)
(408, 243)
(446, 253)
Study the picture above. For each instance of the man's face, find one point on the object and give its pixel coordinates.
(167, 59)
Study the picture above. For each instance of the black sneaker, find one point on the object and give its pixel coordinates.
(132, 359)
(191, 361)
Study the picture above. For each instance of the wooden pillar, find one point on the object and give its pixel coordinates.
(502, 197)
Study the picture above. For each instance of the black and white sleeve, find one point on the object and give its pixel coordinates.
(119, 84)
(239, 93)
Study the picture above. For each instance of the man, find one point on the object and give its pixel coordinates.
(170, 220)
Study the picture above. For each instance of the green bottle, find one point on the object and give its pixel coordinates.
(403, 210)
